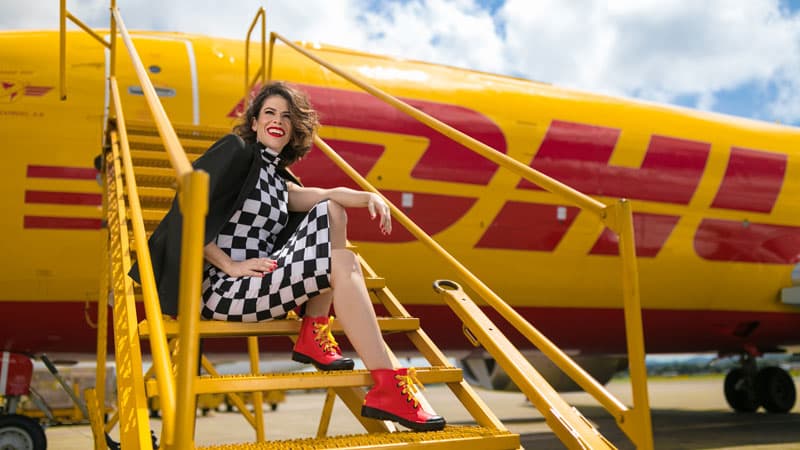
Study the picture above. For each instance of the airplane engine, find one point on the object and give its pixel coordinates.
(480, 369)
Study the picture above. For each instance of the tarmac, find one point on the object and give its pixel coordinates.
(687, 413)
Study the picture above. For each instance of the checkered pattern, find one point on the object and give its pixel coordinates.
(303, 270)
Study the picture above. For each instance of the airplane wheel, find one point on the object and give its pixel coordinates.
(739, 393)
(775, 390)
(21, 433)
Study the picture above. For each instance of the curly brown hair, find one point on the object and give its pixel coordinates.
(305, 120)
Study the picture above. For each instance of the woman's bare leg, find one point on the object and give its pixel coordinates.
(320, 305)
(350, 297)
(355, 311)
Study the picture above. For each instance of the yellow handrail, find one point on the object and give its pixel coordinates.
(62, 61)
(567, 423)
(543, 181)
(247, 84)
(563, 361)
(620, 222)
(158, 338)
(173, 146)
(193, 200)
(194, 205)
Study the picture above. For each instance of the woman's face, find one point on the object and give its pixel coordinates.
(272, 126)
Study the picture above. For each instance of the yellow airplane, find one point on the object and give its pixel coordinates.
(715, 199)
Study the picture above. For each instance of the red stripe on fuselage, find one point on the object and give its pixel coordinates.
(432, 212)
(528, 226)
(77, 173)
(444, 160)
(650, 233)
(577, 154)
(752, 180)
(63, 198)
(61, 223)
(743, 241)
(318, 170)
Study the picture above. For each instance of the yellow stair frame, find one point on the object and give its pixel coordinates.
(346, 385)
(175, 381)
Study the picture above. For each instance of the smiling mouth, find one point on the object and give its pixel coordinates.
(277, 132)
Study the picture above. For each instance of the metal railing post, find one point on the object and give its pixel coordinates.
(62, 60)
(642, 429)
(112, 58)
(194, 205)
(260, 14)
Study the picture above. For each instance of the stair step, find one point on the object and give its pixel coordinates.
(156, 197)
(190, 136)
(192, 147)
(155, 177)
(144, 156)
(461, 437)
(304, 380)
(218, 328)
(152, 214)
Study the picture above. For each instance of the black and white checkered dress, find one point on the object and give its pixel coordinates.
(304, 262)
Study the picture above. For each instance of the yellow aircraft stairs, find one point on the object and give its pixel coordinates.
(145, 163)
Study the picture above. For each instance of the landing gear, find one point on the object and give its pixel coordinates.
(747, 388)
(775, 389)
(740, 391)
(21, 433)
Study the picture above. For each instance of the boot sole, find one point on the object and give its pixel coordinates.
(299, 357)
(372, 413)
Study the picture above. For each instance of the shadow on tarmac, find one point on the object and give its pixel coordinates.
(691, 430)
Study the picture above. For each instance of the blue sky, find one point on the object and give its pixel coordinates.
(739, 57)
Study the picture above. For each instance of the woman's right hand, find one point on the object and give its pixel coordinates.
(253, 267)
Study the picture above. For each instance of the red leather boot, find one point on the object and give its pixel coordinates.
(392, 398)
(316, 345)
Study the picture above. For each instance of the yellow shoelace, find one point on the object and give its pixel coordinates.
(409, 383)
(324, 336)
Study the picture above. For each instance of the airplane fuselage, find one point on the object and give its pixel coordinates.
(715, 198)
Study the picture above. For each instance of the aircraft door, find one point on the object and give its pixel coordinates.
(170, 64)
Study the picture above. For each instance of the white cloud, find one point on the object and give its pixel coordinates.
(449, 32)
(659, 50)
(786, 107)
(653, 49)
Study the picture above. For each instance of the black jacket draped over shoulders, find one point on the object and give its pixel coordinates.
(233, 167)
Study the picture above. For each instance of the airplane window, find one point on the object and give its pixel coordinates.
(154, 69)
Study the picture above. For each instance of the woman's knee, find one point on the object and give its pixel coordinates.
(345, 262)
(343, 256)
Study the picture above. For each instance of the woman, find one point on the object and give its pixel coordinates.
(259, 269)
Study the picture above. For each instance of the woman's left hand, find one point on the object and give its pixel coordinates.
(376, 206)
